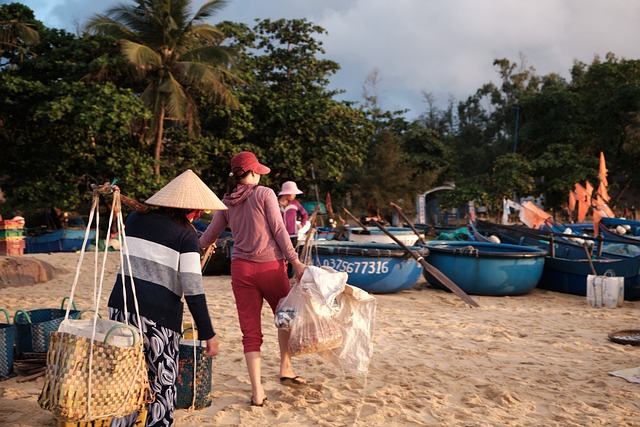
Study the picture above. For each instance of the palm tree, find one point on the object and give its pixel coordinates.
(175, 55)
(17, 31)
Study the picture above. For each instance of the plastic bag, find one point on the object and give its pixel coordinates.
(312, 332)
(288, 308)
(307, 312)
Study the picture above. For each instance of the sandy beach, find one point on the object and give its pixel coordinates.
(541, 359)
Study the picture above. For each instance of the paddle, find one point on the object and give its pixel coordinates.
(404, 217)
(365, 230)
(437, 274)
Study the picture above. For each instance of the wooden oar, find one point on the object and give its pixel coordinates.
(364, 227)
(437, 274)
(307, 240)
(404, 217)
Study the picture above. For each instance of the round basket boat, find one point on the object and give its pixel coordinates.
(373, 234)
(373, 267)
(627, 336)
(483, 268)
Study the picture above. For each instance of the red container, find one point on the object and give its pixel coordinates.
(12, 247)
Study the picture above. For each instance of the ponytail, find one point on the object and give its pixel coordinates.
(235, 177)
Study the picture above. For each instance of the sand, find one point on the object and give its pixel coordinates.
(541, 359)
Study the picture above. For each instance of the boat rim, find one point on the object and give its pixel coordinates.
(366, 249)
(463, 248)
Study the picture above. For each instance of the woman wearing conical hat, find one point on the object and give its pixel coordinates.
(261, 250)
(165, 266)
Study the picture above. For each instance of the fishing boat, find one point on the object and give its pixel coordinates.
(486, 268)
(61, 240)
(631, 227)
(374, 235)
(373, 267)
(568, 263)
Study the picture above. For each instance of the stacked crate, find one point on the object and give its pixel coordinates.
(12, 236)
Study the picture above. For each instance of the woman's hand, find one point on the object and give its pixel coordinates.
(212, 347)
(299, 267)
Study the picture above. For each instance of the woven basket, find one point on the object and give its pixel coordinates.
(117, 376)
(33, 327)
(7, 342)
(186, 381)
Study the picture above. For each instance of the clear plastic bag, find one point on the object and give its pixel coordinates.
(311, 332)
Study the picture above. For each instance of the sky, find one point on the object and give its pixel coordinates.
(444, 48)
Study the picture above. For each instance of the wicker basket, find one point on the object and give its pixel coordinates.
(193, 363)
(87, 381)
(34, 326)
(7, 343)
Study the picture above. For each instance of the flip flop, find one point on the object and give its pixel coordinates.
(293, 382)
(257, 404)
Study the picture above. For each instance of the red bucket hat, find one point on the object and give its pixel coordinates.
(247, 161)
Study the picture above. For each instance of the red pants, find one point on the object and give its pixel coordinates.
(251, 283)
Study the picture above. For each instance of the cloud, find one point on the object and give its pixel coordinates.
(444, 47)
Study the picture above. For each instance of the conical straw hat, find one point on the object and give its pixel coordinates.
(187, 191)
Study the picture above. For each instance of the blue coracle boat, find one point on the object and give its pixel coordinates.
(566, 268)
(373, 267)
(62, 240)
(483, 268)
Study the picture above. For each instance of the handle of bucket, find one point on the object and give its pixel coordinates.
(6, 313)
(106, 337)
(610, 273)
(73, 304)
(25, 315)
(79, 315)
(188, 329)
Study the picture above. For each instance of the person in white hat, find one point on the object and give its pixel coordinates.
(291, 210)
(261, 250)
(165, 266)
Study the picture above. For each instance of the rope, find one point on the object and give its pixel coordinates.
(117, 212)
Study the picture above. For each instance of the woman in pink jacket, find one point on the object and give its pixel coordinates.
(261, 250)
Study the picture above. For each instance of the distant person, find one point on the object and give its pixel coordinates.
(165, 266)
(291, 210)
(258, 263)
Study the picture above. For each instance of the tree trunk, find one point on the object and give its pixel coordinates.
(159, 135)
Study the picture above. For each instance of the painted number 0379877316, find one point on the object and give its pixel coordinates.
(362, 267)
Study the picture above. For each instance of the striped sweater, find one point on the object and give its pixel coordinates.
(165, 261)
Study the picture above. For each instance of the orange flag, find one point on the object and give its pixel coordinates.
(584, 200)
(572, 201)
(602, 172)
(602, 192)
(328, 204)
(596, 221)
(533, 216)
(589, 188)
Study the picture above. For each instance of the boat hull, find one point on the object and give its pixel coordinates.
(567, 269)
(483, 268)
(570, 276)
(62, 240)
(373, 267)
(375, 235)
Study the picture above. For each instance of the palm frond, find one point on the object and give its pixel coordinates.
(209, 55)
(209, 9)
(175, 98)
(207, 32)
(101, 24)
(141, 55)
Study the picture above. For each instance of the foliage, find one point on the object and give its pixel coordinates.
(290, 118)
(175, 55)
(75, 135)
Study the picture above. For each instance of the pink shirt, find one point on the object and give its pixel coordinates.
(256, 225)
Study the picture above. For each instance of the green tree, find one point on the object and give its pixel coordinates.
(176, 56)
(18, 31)
(289, 116)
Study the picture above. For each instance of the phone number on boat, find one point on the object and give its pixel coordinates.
(362, 267)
